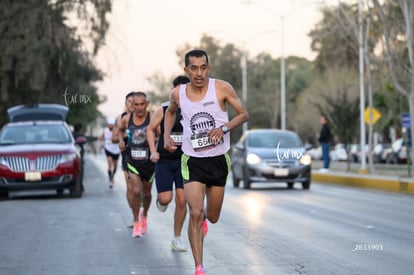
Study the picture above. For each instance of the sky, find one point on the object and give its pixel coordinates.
(145, 34)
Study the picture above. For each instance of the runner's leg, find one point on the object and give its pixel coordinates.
(195, 192)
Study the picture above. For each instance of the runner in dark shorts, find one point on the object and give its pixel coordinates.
(139, 167)
(168, 168)
(212, 171)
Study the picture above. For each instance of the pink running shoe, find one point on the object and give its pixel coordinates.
(143, 221)
(136, 231)
(200, 270)
(204, 226)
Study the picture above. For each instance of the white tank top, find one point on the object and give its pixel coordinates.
(109, 145)
(197, 119)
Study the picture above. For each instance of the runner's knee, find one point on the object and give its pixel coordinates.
(165, 197)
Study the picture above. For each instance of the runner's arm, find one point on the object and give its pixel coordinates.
(169, 120)
(155, 122)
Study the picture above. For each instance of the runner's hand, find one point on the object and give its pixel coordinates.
(122, 145)
(169, 144)
(155, 157)
(216, 135)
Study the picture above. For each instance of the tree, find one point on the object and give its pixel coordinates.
(333, 94)
(263, 92)
(46, 60)
(334, 39)
(399, 49)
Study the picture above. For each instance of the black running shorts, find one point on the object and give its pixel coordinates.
(111, 155)
(167, 174)
(143, 168)
(212, 171)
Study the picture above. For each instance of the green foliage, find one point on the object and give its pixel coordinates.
(334, 38)
(343, 115)
(42, 57)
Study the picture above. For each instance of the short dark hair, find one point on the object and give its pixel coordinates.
(130, 94)
(181, 79)
(77, 127)
(139, 93)
(194, 53)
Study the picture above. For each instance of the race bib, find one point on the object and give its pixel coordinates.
(139, 153)
(177, 138)
(202, 141)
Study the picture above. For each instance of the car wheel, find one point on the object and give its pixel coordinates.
(59, 192)
(236, 181)
(306, 184)
(246, 179)
(391, 159)
(76, 190)
(4, 194)
(290, 185)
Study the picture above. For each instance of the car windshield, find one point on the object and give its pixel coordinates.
(273, 140)
(34, 133)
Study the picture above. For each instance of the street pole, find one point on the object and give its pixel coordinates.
(282, 77)
(361, 88)
(244, 84)
(282, 59)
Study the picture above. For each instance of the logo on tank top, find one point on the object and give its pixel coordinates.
(139, 136)
(208, 103)
(200, 124)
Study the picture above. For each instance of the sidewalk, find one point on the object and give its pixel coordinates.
(393, 178)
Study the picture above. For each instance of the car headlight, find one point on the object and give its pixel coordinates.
(253, 159)
(305, 160)
(68, 157)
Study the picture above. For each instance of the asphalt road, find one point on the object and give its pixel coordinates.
(266, 230)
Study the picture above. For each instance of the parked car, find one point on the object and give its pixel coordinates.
(355, 152)
(379, 152)
(270, 155)
(315, 153)
(39, 153)
(338, 153)
(397, 153)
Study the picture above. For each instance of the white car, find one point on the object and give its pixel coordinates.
(397, 153)
(315, 153)
(339, 153)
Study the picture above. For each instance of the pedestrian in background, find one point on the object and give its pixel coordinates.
(325, 138)
(112, 151)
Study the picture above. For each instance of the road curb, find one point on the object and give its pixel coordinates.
(391, 184)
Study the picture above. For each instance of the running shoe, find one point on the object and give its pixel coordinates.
(136, 231)
(200, 270)
(143, 221)
(177, 245)
(204, 227)
(161, 207)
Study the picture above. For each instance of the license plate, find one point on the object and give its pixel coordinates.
(32, 176)
(281, 172)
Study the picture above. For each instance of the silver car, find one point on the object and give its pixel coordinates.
(270, 155)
